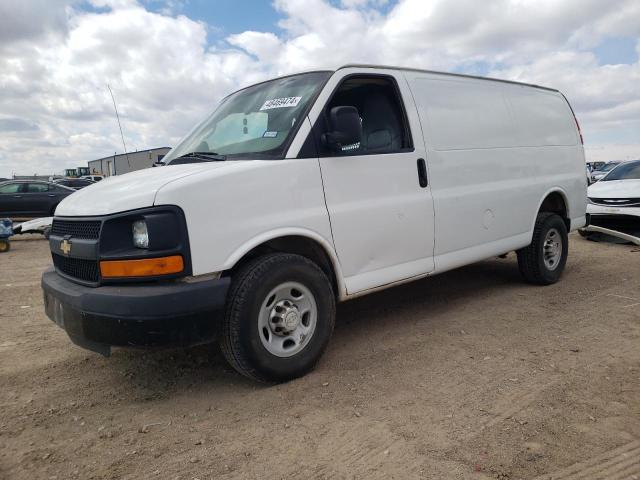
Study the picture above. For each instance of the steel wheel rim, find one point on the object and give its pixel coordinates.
(552, 249)
(287, 319)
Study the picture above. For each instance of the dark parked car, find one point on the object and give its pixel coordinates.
(75, 183)
(30, 198)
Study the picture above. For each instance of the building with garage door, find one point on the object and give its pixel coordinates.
(120, 164)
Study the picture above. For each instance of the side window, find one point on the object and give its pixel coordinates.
(37, 187)
(10, 188)
(384, 122)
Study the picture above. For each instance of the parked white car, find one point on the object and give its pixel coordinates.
(614, 201)
(310, 189)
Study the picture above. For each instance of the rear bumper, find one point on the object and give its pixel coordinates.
(157, 315)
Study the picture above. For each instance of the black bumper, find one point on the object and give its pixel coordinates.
(629, 224)
(157, 315)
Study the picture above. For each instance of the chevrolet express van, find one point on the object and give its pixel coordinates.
(310, 189)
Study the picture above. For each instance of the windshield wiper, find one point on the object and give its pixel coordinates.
(194, 157)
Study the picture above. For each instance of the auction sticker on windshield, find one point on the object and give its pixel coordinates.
(281, 103)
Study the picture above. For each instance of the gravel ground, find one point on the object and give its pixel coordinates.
(468, 375)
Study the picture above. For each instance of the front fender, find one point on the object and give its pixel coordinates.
(264, 237)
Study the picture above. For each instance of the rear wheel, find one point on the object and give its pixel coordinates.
(543, 261)
(5, 246)
(279, 318)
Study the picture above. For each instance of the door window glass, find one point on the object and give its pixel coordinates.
(384, 124)
(10, 188)
(37, 187)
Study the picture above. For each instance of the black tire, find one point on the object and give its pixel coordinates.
(531, 259)
(240, 340)
(5, 246)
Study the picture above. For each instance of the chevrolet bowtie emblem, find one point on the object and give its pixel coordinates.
(65, 246)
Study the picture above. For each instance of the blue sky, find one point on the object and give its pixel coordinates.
(225, 17)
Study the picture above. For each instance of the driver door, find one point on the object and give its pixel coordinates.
(377, 193)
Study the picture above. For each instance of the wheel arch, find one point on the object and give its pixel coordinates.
(554, 200)
(306, 243)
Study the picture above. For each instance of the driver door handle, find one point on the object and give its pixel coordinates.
(423, 179)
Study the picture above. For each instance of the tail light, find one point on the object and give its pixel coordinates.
(579, 130)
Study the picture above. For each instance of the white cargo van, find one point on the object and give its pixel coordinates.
(310, 189)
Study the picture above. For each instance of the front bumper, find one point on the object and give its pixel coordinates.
(151, 315)
(623, 219)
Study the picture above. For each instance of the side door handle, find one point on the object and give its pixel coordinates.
(51, 195)
(423, 179)
(17, 196)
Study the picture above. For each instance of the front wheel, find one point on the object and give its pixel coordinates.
(543, 261)
(279, 317)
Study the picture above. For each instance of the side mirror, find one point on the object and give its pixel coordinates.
(346, 128)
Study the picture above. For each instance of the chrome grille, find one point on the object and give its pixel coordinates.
(616, 202)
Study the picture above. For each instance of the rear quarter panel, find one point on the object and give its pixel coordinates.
(492, 161)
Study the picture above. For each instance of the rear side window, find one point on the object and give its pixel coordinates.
(544, 118)
(10, 188)
(37, 187)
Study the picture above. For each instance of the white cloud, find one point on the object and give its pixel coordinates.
(55, 62)
(21, 21)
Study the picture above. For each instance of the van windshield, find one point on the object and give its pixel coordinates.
(255, 122)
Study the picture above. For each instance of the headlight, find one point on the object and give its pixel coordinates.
(140, 234)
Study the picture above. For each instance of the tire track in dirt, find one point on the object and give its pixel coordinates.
(622, 463)
(511, 404)
(367, 451)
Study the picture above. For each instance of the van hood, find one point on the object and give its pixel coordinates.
(129, 191)
(615, 189)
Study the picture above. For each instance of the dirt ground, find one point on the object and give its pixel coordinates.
(468, 375)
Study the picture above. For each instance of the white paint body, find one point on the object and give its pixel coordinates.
(494, 151)
(614, 189)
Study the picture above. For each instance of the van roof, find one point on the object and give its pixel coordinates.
(389, 67)
(382, 67)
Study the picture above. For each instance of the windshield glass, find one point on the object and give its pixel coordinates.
(607, 167)
(625, 171)
(256, 121)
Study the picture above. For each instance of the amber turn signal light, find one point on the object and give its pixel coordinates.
(145, 267)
